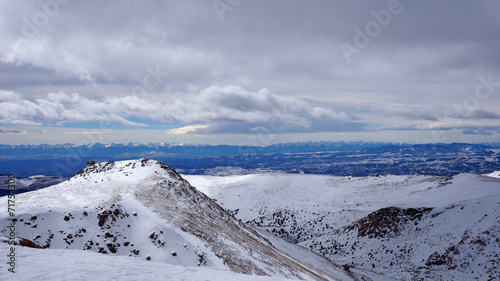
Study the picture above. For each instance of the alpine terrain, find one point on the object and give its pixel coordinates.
(410, 227)
(146, 210)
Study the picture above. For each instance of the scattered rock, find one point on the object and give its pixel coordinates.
(385, 222)
(112, 247)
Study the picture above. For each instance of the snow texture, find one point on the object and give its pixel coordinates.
(57, 264)
(404, 227)
(144, 209)
(495, 174)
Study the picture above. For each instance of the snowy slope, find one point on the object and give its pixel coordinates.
(495, 174)
(405, 227)
(57, 264)
(143, 208)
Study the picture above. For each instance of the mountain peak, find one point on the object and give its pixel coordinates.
(146, 209)
(132, 170)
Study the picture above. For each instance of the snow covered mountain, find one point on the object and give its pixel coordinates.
(57, 264)
(143, 208)
(404, 227)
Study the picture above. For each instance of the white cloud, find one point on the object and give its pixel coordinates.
(186, 129)
(321, 113)
(56, 107)
(214, 105)
(424, 59)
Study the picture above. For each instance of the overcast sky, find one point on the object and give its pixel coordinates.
(249, 71)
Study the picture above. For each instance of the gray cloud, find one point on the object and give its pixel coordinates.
(225, 105)
(435, 113)
(472, 113)
(171, 61)
(289, 39)
(478, 132)
(411, 112)
(275, 125)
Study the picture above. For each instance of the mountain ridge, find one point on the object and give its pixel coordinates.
(411, 227)
(146, 209)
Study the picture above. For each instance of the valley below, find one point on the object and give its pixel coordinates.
(403, 227)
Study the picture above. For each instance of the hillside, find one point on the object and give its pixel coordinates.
(57, 264)
(143, 208)
(405, 227)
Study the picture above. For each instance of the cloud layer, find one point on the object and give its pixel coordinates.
(259, 66)
(214, 105)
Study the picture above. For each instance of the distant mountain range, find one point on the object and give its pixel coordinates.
(171, 150)
(334, 158)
